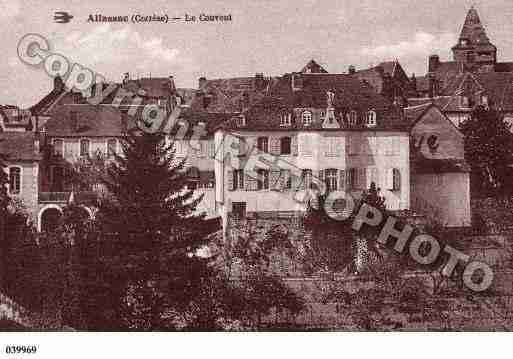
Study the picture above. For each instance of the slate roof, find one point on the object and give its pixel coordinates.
(91, 121)
(313, 67)
(46, 102)
(350, 94)
(444, 103)
(474, 31)
(19, 146)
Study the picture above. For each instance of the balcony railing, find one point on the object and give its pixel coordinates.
(51, 197)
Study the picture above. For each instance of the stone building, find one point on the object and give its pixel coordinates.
(473, 77)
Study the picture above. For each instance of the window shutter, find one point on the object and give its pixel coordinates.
(397, 179)
(374, 176)
(339, 148)
(390, 179)
(229, 180)
(362, 180)
(342, 180)
(322, 176)
(301, 185)
(211, 149)
(274, 144)
(326, 146)
(294, 145)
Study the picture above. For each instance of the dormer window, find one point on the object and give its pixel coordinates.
(465, 102)
(241, 121)
(285, 120)
(353, 116)
(370, 120)
(323, 114)
(484, 100)
(307, 118)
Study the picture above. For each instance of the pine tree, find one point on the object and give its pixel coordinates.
(151, 216)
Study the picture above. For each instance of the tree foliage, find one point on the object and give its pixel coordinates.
(489, 151)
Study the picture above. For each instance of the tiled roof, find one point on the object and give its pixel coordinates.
(101, 120)
(19, 146)
(44, 104)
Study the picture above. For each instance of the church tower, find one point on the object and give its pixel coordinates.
(474, 51)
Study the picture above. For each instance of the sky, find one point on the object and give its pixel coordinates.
(269, 36)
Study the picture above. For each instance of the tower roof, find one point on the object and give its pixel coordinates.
(473, 31)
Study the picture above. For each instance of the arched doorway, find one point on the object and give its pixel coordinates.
(49, 219)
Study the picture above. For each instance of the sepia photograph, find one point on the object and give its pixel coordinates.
(260, 167)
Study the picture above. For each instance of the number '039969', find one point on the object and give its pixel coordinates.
(20, 349)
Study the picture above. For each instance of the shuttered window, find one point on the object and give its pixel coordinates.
(14, 180)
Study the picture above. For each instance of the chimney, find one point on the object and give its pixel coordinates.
(202, 82)
(37, 148)
(245, 101)
(434, 62)
(259, 81)
(432, 85)
(58, 84)
(297, 81)
(351, 70)
(172, 83)
(413, 81)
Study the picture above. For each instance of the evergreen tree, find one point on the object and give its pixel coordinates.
(151, 216)
(488, 150)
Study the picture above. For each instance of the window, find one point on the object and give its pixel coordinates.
(58, 179)
(352, 178)
(239, 209)
(238, 179)
(396, 180)
(58, 147)
(285, 145)
(85, 146)
(14, 180)
(112, 147)
(305, 146)
(332, 146)
(353, 117)
(241, 121)
(323, 114)
(354, 145)
(465, 102)
(307, 118)
(263, 144)
(286, 119)
(484, 100)
(331, 179)
(288, 179)
(263, 179)
(306, 178)
(371, 119)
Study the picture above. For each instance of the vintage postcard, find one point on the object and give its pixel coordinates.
(264, 166)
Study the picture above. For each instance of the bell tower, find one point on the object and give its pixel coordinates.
(474, 51)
